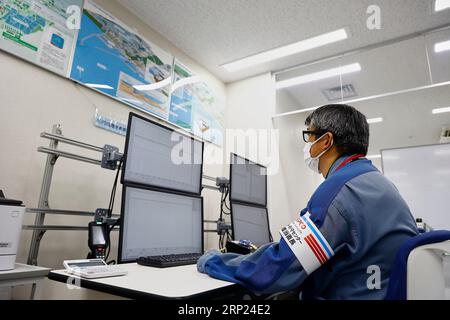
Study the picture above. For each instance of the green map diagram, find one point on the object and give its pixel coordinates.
(36, 31)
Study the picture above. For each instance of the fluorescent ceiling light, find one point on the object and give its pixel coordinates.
(374, 120)
(98, 86)
(153, 86)
(319, 75)
(440, 110)
(440, 5)
(374, 156)
(442, 46)
(288, 50)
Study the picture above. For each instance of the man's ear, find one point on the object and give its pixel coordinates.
(328, 140)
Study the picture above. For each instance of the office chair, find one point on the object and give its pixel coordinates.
(422, 268)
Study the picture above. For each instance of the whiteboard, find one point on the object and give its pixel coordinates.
(422, 176)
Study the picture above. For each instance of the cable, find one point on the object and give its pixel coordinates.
(111, 207)
(225, 238)
(223, 204)
(224, 235)
(229, 238)
(109, 239)
(227, 196)
(221, 246)
(113, 191)
(221, 207)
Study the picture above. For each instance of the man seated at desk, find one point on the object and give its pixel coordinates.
(353, 225)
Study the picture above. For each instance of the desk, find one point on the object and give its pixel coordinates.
(24, 274)
(141, 282)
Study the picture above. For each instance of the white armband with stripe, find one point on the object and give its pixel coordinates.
(307, 243)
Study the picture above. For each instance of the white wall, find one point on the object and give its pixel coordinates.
(250, 105)
(31, 101)
(301, 182)
(286, 102)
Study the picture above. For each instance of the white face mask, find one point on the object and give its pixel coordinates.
(313, 163)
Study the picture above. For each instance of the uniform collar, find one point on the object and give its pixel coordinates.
(336, 164)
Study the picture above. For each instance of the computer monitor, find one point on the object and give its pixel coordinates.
(250, 223)
(159, 223)
(248, 181)
(158, 156)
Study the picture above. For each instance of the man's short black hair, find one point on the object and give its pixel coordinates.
(348, 126)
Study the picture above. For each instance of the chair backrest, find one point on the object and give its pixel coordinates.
(427, 273)
(397, 289)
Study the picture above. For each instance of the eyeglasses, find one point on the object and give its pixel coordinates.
(308, 133)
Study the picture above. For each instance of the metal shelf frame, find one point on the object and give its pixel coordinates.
(110, 156)
(53, 154)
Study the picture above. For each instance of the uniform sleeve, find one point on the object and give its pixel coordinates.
(270, 269)
(273, 267)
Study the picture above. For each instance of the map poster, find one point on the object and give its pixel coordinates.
(207, 116)
(180, 112)
(191, 105)
(111, 58)
(36, 30)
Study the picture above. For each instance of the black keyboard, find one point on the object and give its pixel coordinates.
(170, 260)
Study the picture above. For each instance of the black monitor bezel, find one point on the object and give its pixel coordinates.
(122, 215)
(246, 204)
(124, 165)
(231, 182)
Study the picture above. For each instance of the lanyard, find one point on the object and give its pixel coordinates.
(349, 159)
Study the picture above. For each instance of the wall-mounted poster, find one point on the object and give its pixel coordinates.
(113, 59)
(109, 57)
(180, 112)
(207, 115)
(36, 30)
(192, 105)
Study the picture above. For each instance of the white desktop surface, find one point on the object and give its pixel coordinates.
(24, 274)
(22, 271)
(172, 283)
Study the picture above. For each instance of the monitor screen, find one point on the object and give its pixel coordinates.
(158, 223)
(160, 157)
(248, 181)
(250, 223)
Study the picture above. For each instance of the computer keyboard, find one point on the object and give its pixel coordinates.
(170, 260)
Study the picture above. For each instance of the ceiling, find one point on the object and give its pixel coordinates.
(390, 68)
(214, 32)
(407, 115)
(407, 120)
(387, 87)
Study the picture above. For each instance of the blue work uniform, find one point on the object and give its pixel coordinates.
(364, 220)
